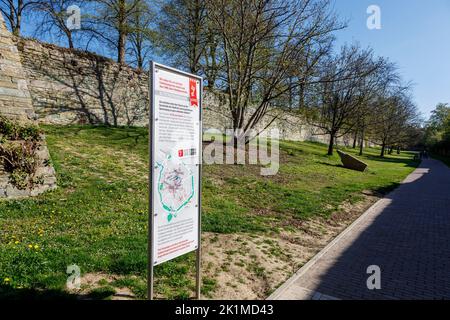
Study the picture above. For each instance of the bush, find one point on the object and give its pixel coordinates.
(442, 148)
(18, 152)
(11, 130)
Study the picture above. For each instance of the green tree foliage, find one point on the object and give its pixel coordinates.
(437, 130)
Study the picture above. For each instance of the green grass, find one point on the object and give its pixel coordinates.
(97, 218)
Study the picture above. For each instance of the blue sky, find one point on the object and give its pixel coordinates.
(415, 34)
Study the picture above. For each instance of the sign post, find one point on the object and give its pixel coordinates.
(175, 143)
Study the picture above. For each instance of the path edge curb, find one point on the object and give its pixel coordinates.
(280, 290)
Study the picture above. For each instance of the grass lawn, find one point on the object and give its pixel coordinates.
(97, 218)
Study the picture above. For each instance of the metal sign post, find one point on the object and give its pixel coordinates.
(175, 145)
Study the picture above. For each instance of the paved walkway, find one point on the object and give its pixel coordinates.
(406, 234)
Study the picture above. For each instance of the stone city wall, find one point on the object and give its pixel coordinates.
(16, 103)
(69, 86)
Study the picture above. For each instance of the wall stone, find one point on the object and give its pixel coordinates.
(290, 126)
(15, 99)
(70, 86)
(16, 103)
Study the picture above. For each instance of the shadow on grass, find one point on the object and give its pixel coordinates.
(9, 293)
(110, 133)
(338, 165)
(383, 191)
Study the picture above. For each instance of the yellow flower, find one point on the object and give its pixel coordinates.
(30, 246)
(36, 247)
(7, 280)
(17, 242)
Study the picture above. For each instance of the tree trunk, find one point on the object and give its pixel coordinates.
(301, 96)
(383, 148)
(16, 30)
(331, 145)
(398, 149)
(235, 141)
(291, 94)
(122, 32)
(139, 52)
(361, 144)
(69, 38)
(355, 138)
(16, 27)
(121, 49)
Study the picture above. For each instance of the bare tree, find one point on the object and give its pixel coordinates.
(262, 42)
(341, 92)
(13, 11)
(110, 23)
(141, 36)
(374, 85)
(396, 113)
(53, 15)
(183, 32)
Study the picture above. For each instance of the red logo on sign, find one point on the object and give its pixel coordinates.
(193, 92)
(180, 153)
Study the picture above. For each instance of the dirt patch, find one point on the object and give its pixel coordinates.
(250, 266)
(91, 282)
(247, 266)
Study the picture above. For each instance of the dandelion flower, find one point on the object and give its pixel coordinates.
(30, 246)
(17, 242)
(36, 247)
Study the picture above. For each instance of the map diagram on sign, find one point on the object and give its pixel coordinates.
(175, 186)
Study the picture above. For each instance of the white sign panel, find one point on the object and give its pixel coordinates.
(175, 162)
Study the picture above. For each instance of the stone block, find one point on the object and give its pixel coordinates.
(13, 192)
(351, 162)
(16, 103)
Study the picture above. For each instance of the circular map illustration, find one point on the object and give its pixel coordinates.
(175, 186)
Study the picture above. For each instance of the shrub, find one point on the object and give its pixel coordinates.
(20, 160)
(18, 152)
(11, 130)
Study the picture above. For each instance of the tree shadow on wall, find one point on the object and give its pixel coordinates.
(86, 88)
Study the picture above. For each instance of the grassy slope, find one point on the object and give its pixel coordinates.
(97, 217)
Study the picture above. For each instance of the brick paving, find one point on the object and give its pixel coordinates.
(406, 234)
